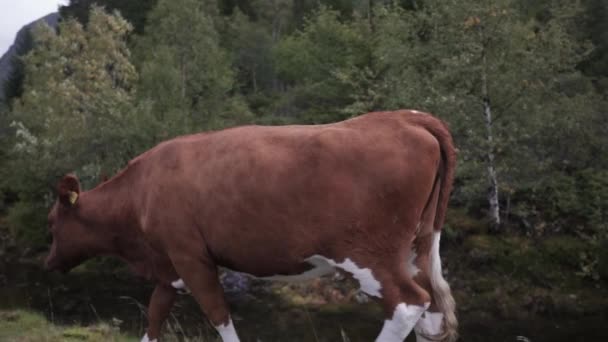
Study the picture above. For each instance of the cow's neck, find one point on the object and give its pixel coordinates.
(110, 211)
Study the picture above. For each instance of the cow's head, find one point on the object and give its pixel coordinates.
(73, 240)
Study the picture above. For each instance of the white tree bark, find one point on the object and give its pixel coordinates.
(492, 178)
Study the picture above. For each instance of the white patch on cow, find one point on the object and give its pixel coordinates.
(146, 339)
(227, 332)
(401, 324)
(412, 269)
(180, 286)
(367, 282)
(441, 289)
(442, 295)
(320, 268)
(436, 272)
(413, 111)
(430, 325)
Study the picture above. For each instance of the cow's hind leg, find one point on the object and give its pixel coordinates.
(430, 324)
(403, 300)
(200, 275)
(434, 324)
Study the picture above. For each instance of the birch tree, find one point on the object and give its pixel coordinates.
(492, 72)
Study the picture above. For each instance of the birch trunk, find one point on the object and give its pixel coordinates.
(492, 178)
(370, 14)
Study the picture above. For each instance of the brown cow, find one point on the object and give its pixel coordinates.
(367, 196)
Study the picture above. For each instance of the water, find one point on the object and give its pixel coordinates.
(260, 315)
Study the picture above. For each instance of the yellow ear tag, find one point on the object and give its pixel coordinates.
(73, 197)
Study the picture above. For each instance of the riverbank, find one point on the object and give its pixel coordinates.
(508, 288)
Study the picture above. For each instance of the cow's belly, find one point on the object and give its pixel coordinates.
(317, 267)
(291, 270)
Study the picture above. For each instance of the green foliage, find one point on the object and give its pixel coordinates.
(82, 80)
(27, 223)
(595, 29)
(314, 62)
(446, 56)
(186, 76)
(88, 105)
(577, 199)
(134, 11)
(75, 113)
(251, 45)
(552, 260)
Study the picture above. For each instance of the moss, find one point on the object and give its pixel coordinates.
(550, 262)
(513, 277)
(481, 242)
(564, 250)
(18, 325)
(459, 220)
(493, 254)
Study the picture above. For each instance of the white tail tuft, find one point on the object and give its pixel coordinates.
(442, 295)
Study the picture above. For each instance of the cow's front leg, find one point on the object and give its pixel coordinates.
(200, 275)
(158, 310)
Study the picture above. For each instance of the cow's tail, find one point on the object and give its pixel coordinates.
(442, 295)
(447, 166)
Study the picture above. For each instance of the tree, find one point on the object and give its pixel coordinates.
(186, 76)
(492, 72)
(595, 28)
(75, 113)
(312, 63)
(251, 44)
(134, 11)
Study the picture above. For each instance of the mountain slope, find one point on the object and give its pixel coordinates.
(21, 46)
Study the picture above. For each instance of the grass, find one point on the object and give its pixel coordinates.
(26, 326)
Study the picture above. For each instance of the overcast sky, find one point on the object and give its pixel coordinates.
(16, 13)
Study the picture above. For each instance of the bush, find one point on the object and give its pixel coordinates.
(27, 224)
(574, 203)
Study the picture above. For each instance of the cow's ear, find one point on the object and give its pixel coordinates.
(68, 190)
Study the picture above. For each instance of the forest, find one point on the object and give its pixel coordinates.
(522, 85)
